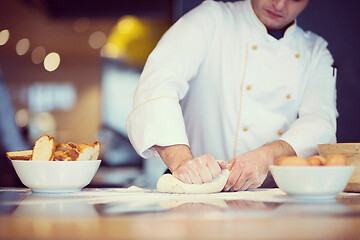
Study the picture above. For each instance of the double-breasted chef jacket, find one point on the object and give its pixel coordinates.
(219, 83)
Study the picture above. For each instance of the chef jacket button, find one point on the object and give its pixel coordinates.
(254, 47)
(245, 129)
(248, 87)
(297, 55)
(280, 132)
(288, 96)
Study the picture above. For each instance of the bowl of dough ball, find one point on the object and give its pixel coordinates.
(352, 153)
(314, 178)
(56, 167)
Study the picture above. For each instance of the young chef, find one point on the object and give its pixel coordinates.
(235, 81)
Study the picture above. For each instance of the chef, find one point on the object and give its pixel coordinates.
(239, 82)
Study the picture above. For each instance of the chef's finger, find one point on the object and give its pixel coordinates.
(255, 185)
(252, 187)
(207, 161)
(182, 176)
(230, 164)
(205, 175)
(212, 166)
(235, 174)
(192, 170)
(202, 168)
(195, 177)
(240, 183)
(222, 164)
(246, 185)
(248, 174)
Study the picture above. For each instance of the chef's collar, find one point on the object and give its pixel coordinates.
(256, 21)
(278, 34)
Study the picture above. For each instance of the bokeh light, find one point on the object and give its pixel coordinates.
(97, 39)
(4, 37)
(22, 46)
(52, 61)
(22, 118)
(38, 54)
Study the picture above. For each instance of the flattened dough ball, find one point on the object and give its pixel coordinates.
(167, 183)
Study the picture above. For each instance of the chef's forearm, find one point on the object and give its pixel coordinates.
(174, 155)
(278, 149)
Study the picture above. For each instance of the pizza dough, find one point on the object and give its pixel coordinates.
(169, 184)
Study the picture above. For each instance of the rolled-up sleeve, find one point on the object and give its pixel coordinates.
(157, 116)
(317, 113)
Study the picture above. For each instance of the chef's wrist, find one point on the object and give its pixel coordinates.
(174, 155)
(277, 149)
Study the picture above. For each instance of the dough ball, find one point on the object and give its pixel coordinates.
(169, 184)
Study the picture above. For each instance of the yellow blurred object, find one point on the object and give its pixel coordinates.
(133, 39)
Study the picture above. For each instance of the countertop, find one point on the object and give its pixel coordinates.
(135, 213)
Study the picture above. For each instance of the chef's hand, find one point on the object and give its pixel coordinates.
(186, 168)
(202, 169)
(249, 170)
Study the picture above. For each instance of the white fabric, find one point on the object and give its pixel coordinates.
(227, 73)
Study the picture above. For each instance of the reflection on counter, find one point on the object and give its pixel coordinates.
(55, 205)
(235, 206)
(123, 201)
(114, 202)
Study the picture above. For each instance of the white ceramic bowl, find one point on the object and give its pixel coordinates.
(323, 182)
(56, 176)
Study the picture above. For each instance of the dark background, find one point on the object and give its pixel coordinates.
(338, 22)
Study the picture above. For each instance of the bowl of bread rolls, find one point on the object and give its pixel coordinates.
(52, 167)
(313, 178)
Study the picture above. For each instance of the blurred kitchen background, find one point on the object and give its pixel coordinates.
(69, 69)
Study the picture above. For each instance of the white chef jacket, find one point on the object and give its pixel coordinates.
(219, 83)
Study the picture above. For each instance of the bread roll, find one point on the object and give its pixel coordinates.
(316, 160)
(44, 149)
(291, 161)
(19, 155)
(336, 160)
